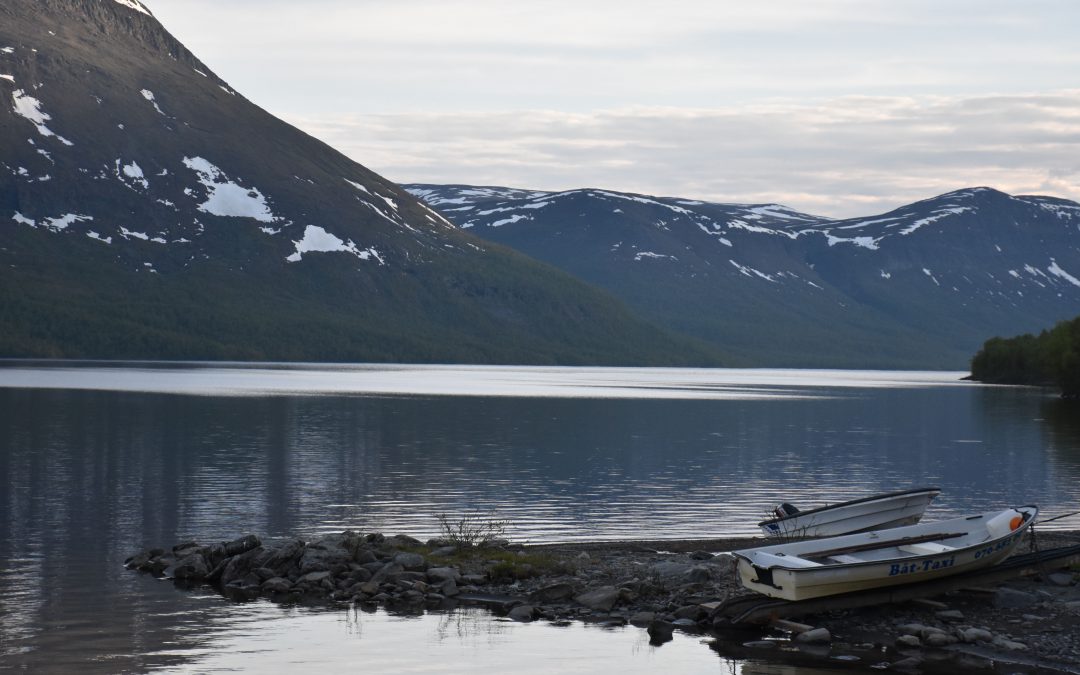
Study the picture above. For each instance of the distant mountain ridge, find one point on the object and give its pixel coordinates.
(921, 286)
(148, 210)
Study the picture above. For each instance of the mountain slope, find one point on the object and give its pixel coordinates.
(921, 286)
(150, 211)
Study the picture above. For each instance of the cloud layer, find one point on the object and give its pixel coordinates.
(852, 155)
(835, 106)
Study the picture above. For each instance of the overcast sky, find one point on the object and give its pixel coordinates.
(835, 107)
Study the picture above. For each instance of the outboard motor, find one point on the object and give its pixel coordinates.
(785, 510)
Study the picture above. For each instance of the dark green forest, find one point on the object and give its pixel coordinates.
(1049, 358)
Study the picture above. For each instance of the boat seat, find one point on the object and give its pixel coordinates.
(774, 560)
(926, 548)
(846, 559)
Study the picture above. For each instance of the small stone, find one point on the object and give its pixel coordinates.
(364, 556)
(443, 551)
(241, 545)
(692, 612)
(1009, 598)
(972, 635)
(1010, 645)
(388, 572)
(814, 636)
(601, 599)
(698, 574)
(412, 597)
(660, 632)
(908, 641)
(522, 613)
(276, 585)
(313, 577)
(910, 663)
(192, 567)
(553, 592)
(368, 587)
(412, 562)
(912, 628)
(1060, 579)
(939, 639)
(950, 615)
(642, 618)
(449, 588)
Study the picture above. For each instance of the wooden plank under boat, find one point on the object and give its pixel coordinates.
(877, 512)
(855, 562)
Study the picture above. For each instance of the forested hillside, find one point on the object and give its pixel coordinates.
(1050, 358)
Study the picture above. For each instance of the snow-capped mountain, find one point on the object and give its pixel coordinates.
(921, 286)
(147, 209)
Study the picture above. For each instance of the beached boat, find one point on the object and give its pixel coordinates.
(892, 509)
(855, 562)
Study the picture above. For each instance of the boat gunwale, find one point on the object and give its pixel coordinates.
(853, 502)
(831, 566)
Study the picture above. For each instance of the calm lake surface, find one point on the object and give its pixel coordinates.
(98, 461)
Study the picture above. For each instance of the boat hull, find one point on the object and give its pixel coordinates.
(886, 511)
(799, 579)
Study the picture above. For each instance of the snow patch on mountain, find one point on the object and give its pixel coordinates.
(226, 198)
(865, 242)
(9, 78)
(739, 224)
(94, 235)
(129, 234)
(133, 172)
(511, 220)
(318, 240)
(1056, 270)
(149, 96)
(751, 272)
(56, 224)
(7, 50)
(655, 256)
(396, 218)
(776, 211)
(643, 200)
(136, 5)
(504, 209)
(28, 107)
(937, 215)
(1064, 211)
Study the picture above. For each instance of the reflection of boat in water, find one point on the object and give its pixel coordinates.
(891, 509)
(855, 562)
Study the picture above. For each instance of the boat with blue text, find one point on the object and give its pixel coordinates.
(855, 562)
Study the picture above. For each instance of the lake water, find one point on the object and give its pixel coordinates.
(99, 461)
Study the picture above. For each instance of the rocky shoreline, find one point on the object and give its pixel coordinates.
(1030, 623)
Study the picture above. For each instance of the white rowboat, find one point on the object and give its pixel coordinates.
(892, 509)
(856, 562)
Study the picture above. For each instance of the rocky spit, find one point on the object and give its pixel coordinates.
(1028, 624)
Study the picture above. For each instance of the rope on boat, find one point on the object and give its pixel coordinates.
(1064, 515)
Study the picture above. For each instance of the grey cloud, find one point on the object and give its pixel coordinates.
(847, 156)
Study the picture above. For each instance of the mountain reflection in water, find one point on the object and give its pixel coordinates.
(97, 462)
